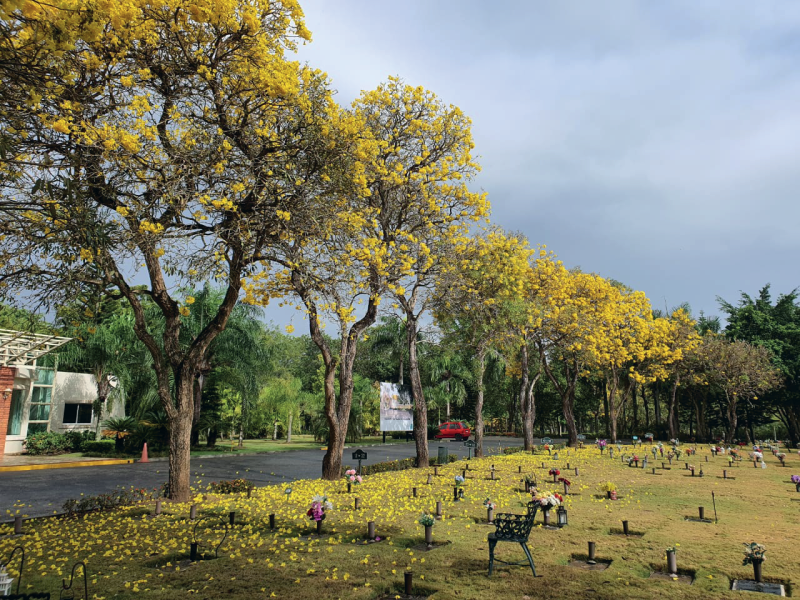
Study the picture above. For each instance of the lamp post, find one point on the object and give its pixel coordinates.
(561, 517)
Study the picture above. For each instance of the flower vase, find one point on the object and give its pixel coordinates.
(490, 515)
(319, 527)
(614, 494)
(758, 563)
(566, 489)
(429, 534)
(797, 487)
(636, 463)
(349, 487)
(546, 515)
(608, 494)
(554, 477)
(672, 562)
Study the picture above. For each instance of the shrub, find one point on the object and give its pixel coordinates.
(234, 486)
(98, 447)
(513, 450)
(123, 497)
(47, 442)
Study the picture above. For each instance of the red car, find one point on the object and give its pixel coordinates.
(453, 429)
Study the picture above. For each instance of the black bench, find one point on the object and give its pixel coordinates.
(513, 528)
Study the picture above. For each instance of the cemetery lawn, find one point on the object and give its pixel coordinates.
(132, 554)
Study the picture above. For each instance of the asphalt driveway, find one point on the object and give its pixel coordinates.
(43, 492)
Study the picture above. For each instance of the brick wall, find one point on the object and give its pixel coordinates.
(6, 383)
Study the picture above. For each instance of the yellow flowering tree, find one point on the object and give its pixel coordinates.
(475, 297)
(420, 202)
(168, 141)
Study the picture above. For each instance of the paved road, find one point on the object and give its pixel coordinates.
(43, 492)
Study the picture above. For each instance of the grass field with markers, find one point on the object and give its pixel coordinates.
(130, 553)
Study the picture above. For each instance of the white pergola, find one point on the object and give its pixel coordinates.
(22, 348)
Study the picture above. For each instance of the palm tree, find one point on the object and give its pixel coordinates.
(119, 429)
(447, 374)
(111, 353)
(391, 335)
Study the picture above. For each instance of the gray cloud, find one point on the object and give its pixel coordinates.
(652, 142)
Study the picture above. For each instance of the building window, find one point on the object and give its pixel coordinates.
(80, 414)
(15, 415)
(41, 401)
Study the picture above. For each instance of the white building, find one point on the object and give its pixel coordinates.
(35, 398)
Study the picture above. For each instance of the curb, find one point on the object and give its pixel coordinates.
(128, 461)
(68, 465)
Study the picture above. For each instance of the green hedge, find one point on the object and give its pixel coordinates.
(103, 447)
(51, 442)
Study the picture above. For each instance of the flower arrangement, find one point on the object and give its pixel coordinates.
(758, 456)
(608, 486)
(555, 472)
(489, 504)
(547, 500)
(459, 480)
(547, 446)
(601, 443)
(565, 481)
(753, 552)
(426, 520)
(673, 548)
(781, 456)
(796, 479)
(319, 504)
(351, 477)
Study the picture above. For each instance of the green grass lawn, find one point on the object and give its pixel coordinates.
(131, 554)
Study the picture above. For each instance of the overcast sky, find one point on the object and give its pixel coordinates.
(655, 143)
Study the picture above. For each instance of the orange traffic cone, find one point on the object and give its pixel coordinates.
(144, 454)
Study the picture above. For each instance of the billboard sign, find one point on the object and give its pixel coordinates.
(397, 408)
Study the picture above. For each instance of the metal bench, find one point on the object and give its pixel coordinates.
(513, 528)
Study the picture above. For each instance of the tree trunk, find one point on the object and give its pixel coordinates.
(700, 417)
(289, 429)
(526, 404)
(657, 404)
(646, 408)
(568, 404)
(479, 403)
(672, 418)
(606, 408)
(420, 406)
(180, 438)
(751, 436)
(635, 404)
(275, 430)
(789, 417)
(400, 375)
(613, 406)
(732, 419)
